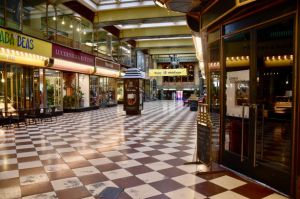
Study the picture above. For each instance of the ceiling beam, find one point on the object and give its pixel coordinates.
(165, 43)
(157, 32)
(135, 15)
(171, 51)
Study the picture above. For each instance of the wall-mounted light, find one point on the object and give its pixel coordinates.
(63, 21)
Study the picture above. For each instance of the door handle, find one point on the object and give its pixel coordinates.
(262, 131)
(242, 136)
(254, 134)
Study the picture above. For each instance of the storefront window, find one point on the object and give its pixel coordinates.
(1, 12)
(70, 99)
(2, 83)
(94, 91)
(112, 85)
(125, 54)
(13, 10)
(103, 91)
(84, 90)
(115, 47)
(120, 91)
(53, 88)
(23, 87)
(32, 25)
(101, 41)
(214, 76)
(108, 91)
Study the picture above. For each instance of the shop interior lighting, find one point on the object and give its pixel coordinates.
(279, 57)
(63, 21)
(54, 18)
(84, 32)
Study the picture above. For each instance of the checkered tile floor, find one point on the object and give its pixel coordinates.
(81, 154)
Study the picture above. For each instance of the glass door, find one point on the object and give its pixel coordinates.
(236, 127)
(273, 105)
(259, 103)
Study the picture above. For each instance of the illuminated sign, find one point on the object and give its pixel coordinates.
(107, 72)
(20, 42)
(18, 57)
(167, 72)
(60, 64)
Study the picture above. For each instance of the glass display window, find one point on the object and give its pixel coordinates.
(94, 91)
(70, 83)
(120, 91)
(53, 80)
(83, 90)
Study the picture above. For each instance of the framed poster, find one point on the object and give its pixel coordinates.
(241, 92)
(237, 93)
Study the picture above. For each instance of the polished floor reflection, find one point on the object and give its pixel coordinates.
(81, 154)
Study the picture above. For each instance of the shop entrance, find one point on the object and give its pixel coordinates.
(19, 87)
(258, 104)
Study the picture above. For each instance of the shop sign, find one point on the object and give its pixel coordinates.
(167, 72)
(20, 42)
(60, 64)
(107, 64)
(72, 55)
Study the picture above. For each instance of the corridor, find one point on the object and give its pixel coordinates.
(82, 154)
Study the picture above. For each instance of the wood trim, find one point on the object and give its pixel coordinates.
(208, 7)
(297, 105)
(222, 97)
(237, 16)
(260, 24)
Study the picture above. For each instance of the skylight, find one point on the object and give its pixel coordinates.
(151, 25)
(168, 38)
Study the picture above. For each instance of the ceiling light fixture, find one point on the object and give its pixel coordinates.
(160, 3)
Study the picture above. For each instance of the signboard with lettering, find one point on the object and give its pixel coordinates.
(204, 143)
(72, 55)
(167, 72)
(20, 42)
(107, 64)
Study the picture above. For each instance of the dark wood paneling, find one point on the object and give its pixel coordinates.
(113, 30)
(81, 9)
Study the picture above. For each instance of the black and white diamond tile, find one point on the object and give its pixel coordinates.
(81, 154)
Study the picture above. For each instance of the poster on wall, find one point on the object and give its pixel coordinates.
(237, 93)
(241, 92)
(131, 88)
